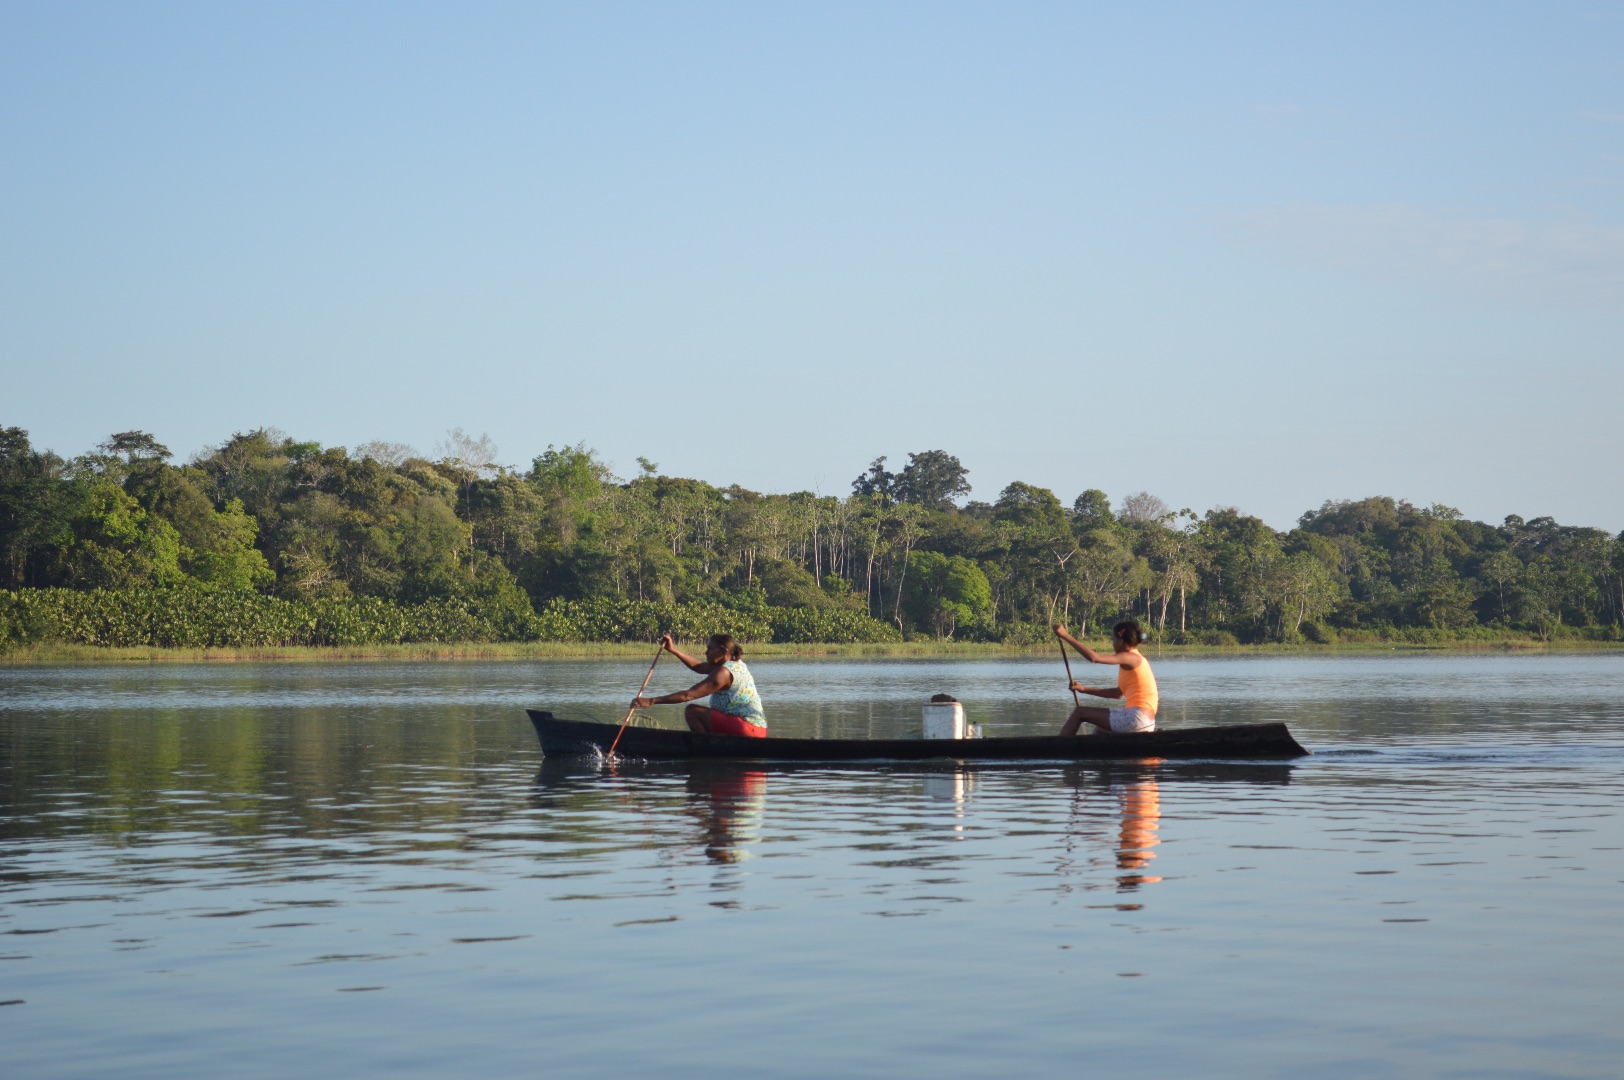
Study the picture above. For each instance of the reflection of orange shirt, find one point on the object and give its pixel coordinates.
(1141, 816)
(1138, 688)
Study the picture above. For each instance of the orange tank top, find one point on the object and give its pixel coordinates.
(1138, 687)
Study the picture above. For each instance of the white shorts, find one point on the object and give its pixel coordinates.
(1132, 720)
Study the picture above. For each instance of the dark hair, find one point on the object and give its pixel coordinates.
(730, 648)
(1130, 632)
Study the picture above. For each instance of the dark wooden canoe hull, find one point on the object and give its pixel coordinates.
(1253, 742)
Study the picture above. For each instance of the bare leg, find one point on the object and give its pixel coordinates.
(698, 717)
(1086, 714)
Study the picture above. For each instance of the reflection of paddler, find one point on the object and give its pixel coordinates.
(1141, 817)
(735, 707)
(734, 801)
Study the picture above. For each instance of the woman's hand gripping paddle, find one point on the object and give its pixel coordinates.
(635, 696)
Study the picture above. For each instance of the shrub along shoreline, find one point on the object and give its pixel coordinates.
(195, 617)
(191, 623)
(55, 654)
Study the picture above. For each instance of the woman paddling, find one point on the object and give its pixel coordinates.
(1136, 686)
(735, 707)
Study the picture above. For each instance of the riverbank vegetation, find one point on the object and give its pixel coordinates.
(53, 653)
(267, 543)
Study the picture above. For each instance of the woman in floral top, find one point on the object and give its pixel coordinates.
(734, 708)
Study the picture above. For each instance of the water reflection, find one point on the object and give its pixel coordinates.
(954, 787)
(1115, 816)
(1109, 838)
(1141, 817)
(1114, 824)
(205, 859)
(728, 803)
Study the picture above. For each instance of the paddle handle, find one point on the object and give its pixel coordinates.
(633, 707)
(1064, 659)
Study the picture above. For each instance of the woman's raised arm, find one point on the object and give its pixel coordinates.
(702, 667)
(1125, 658)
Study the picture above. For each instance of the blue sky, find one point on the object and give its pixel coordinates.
(1259, 255)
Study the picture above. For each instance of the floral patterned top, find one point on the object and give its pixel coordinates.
(740, 698)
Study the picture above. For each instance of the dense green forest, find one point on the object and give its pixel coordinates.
(267, 540)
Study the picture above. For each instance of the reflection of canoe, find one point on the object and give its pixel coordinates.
(565, 771)
(570, 738)
(1107, 773)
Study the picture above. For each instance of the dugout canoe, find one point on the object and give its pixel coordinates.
(1253, 742)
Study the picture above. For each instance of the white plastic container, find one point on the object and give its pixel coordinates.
(944, 720)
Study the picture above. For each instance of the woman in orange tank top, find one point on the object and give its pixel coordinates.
(1136, 685)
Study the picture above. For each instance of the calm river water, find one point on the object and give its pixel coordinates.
(367, 869)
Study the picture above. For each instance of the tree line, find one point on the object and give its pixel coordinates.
(564, 549)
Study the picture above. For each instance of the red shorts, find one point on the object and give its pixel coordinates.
(727, 724)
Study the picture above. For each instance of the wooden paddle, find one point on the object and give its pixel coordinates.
(658, 650)
(1075, 700)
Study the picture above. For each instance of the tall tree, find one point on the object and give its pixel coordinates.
(38, 501)
(932, 479)
(876, 483)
